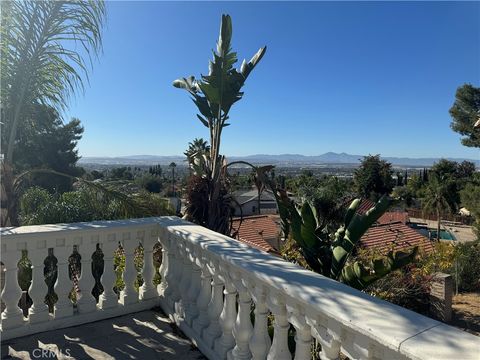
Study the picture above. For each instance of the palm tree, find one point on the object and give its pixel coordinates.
(41, 63)
(435, 199)
(197, 147)
(198, 156)
(214, 95)
(173, 166)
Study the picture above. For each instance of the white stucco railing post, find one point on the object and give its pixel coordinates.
(194, 288)
(279, 349)
(12, 316)
(303, 337)
(168, 287)
(63, 286)
(37, 252)
(183, 303)
(242, 329)
(108, 299)
(129, 295)
(215, 307)
(86, 282)
(228, 316)
(148, 290)
(328, 336)
(162, 272)
(202, 321)
(260, 341)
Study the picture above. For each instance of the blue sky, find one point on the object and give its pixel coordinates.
(361, 78)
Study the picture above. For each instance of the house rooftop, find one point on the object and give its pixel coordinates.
(259, 231)
(396, 235)
(244, 196)
(394, 216)
(364, 206)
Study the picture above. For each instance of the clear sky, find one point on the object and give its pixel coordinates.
(360, 78)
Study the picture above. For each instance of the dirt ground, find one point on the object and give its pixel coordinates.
(466, 312)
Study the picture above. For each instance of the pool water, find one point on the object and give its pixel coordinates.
(444, 235)
(432, 233)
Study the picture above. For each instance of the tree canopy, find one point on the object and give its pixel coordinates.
(48, 143)
(465, 113)
(374, 177)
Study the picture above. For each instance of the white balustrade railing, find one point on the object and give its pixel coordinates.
(226, 296)
(59, 241)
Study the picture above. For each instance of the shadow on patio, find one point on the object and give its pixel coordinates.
(143, 335)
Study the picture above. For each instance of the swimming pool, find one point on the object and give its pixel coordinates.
(432, 233)
(444, 235)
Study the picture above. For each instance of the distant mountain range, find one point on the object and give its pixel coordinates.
(286, 160)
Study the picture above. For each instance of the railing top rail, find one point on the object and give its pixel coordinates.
(33, 230)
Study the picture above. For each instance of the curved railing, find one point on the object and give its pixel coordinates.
(223, 295)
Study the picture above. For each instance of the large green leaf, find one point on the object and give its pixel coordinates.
(356, 228)
(308, 227)
(360, 275)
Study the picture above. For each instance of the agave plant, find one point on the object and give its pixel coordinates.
(214, 95)
(329, 254)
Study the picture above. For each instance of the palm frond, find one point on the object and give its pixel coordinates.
(43, 64)
(129, 206)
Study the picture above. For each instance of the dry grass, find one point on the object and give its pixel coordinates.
(466, 312)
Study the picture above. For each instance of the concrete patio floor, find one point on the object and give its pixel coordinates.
(144, 335)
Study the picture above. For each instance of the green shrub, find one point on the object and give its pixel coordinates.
(37, 206)
(467, 267)
(151, 183)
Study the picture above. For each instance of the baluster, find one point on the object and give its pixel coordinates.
(279, 349)
(227, 317)
(63, 307)
(169, 263)
(215, 307)
(194, 289)
(38, 312)
(303, 337)
(242, 330)
(327, 334)
(183, 304)
(128, 295)
(12, 316)
(202, 321)
(260, 341)
(108, 299)
(86, 282)
(148, 290)
(163, 271)
(177, 273)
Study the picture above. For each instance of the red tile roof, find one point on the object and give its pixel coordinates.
(259, 231)
(393, 216)
(394, 235)
(364, 206)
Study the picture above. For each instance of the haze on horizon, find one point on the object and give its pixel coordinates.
(349, 77)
